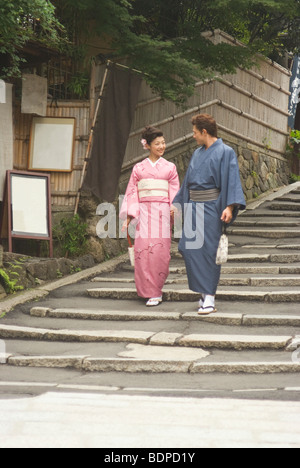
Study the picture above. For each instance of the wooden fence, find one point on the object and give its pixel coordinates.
(251, 105)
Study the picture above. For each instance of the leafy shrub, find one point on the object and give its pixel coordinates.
(72, 236)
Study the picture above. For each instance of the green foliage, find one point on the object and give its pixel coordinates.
(22, 21)
(294, 178)
(9, 285)
(294, 142)
(79, 85)
(162, 38)
(72, 236)
(295, 137)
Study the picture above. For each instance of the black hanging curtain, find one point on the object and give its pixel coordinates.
(112, 132)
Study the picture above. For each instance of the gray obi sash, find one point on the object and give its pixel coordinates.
(204, 195)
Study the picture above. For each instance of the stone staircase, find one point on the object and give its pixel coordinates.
(101, 325)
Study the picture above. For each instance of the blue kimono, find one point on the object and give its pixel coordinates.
(215, 168)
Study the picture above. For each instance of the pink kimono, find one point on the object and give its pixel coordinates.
(149, 196)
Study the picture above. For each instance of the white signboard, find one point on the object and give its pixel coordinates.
(52, 144)
(29, 199)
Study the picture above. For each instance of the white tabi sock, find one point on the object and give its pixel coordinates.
(209, 301)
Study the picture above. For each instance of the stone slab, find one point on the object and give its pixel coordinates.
(277, 320)
(113, 280)
(47, 361)
(284, 296)
(185, 295)
(266, 233)
(40, 312)
(109, 336)
(237, 342)
(15, 332)
(279, 281)
(113, 315)
(135, 366)
(248, 269)
(165, 339)
(158, 353)
(285, 258)
(245, 367)
(156, 359)
(218, 318)
(248, 258)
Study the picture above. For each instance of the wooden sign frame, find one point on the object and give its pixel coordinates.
(27, 208)
(52, 143)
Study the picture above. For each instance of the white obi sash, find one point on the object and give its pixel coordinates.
(153, 188)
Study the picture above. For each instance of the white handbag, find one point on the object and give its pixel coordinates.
(130, 251)
(222, 254)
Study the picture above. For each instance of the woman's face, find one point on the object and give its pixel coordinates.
(158, 147)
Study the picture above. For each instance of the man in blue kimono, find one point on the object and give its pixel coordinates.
(213, 184)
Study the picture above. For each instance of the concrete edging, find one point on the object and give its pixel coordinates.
(90, 364)
(42, 291)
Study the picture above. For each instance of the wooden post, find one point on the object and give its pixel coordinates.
(89, 148)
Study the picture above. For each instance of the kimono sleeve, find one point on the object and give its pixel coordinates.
(182, 196)
(174, 184)
(131, 205)
(231, 187)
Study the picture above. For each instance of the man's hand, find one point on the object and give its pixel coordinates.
(227, 215)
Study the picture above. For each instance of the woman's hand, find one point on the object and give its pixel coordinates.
(126, 223)
(173, 212)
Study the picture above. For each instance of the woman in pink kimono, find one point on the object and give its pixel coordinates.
(151, 190)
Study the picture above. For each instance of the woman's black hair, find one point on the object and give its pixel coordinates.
(151, 133)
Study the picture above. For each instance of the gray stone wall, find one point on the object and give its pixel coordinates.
(260, 169)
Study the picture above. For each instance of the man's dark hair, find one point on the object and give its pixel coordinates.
(206, 122)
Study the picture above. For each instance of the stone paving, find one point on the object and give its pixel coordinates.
(257, 323)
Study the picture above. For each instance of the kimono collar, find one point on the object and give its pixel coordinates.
(217, 143)
(152, 163)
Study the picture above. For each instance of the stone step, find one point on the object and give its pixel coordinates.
(269, 213)
(284, 206)
(234, 319)
(288, 247)
(259, 269)
(287, 257)
(274, 257)
(290, 198)
(261, 281)
(189, 296)
(273, 247)
(243, 222)
(226, 280)
(205, 341)
(176, 364)
(265, 233)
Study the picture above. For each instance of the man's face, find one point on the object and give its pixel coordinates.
(200, 137)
